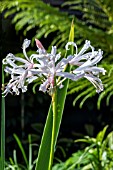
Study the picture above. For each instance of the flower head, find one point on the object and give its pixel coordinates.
(21, 71)
(87, 63)
(50, 67)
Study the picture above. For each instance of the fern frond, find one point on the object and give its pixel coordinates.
(35, 13)
(91, 94)
(87, 92)
(103, 94)
(108, 98)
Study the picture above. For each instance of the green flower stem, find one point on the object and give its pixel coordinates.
(2, 147)
(54, 107)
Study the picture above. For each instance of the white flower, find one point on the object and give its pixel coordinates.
(87, 63)
(44, 65)
(20, 73)
(50, 66)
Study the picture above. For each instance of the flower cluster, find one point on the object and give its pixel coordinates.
(51, 68)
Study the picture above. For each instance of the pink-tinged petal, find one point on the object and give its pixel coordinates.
(39, 44)
(41, 50)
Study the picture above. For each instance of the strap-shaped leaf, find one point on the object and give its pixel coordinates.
(45, 147)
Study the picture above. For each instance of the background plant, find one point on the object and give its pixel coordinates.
(96, 155)
(29, 163)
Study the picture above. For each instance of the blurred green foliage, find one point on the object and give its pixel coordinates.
(97, 155)
(29, 163)
(95, 23)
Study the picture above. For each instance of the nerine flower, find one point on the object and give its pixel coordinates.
(50, 66)
(87, 63)
(31, 68)
(19, 72)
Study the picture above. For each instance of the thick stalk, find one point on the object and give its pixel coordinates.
(54, 106)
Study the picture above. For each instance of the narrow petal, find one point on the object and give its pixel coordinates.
(70, 75)
(63, 62)
(78, 58)
(71, 43)
(96, 82)
(40, 47)
(43, 87)
(26, 43)
(31, 79)
(85, 48)
(53, 51)
(39, 44)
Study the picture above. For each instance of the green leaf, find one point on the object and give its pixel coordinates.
(101, 134)
(30, 152)
(45, 147)
(15, 158)
(21, 148)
